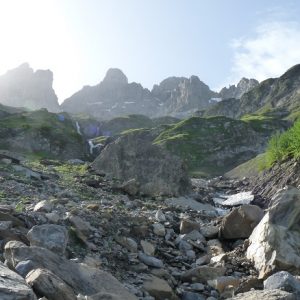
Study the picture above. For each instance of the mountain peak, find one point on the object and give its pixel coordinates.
(115, 76)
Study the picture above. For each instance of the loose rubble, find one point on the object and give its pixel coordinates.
(73, 235)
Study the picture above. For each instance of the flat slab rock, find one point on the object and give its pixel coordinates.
(13, 286)
(265, 295)
(236, 199)
(189, 203)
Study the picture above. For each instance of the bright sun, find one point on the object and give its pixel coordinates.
(35, 31)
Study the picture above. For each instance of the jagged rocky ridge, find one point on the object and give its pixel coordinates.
(243, 86)
(114, 96)
(22, 87)
(278, 97)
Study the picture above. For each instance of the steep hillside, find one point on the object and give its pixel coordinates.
(212, 146)
(42, 134)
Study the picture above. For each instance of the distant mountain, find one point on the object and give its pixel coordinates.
(22, 87)
(180, 96)
(279, 97)
(237, 91)
(114, 96)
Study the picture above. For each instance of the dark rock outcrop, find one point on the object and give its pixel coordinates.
(22, 87)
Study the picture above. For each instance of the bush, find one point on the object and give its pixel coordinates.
(283, 146)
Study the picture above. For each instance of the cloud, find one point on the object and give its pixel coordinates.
(273, 49)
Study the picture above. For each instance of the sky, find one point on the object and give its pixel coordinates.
(219, 41)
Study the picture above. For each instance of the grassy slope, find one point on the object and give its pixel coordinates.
(39, 123)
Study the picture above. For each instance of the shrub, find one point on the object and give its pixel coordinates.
(285, 145)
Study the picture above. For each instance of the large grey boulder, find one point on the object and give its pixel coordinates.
(13, 286)
(284, 281)
(80, 277)
(134, 156)
(275, 242)
(50, 236)
(47, 284)
(241, 221)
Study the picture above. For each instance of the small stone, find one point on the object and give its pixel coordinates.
(159, 288)
(128, 243)
(160, 216)
(93, 207)
(202, 274)
(194, 235)
(150, 260)
(192, 296)
(148, 248)
(92, 262)
(197, 287)
(202, 260)
(159, 229)
(186, 226)
(43, 206)
(209, 231)
(222, 282)
(52, 217)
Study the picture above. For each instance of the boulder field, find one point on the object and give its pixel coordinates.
(69, 231)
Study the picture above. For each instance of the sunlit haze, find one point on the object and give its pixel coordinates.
(219, 41)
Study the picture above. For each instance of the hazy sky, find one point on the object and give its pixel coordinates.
(218, 40)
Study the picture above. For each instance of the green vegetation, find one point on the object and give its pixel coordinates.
(120, 124)
(250, 168)
(207, 144)
(284, 145)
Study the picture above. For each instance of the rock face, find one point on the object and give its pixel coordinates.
(13, 286)
(22, 87)
(156, 171)
(181, 95)
(275, 241)
(114, 96)
(244, 86)
(240, 222)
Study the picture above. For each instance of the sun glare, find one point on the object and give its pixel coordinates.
(35, 31)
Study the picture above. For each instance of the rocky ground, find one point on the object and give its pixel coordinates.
(65, 228)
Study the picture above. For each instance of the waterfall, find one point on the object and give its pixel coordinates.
(92, 146)
(78, 128)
